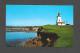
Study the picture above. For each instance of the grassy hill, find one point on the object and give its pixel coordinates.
(65, 33)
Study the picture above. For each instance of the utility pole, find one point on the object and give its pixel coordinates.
(66, 21)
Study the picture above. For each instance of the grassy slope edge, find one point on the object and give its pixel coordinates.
(65, 33)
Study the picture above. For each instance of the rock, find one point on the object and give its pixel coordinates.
(48, 39)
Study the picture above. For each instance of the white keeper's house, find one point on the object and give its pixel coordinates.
(59, 21)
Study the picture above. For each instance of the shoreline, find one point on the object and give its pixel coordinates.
(42, 40)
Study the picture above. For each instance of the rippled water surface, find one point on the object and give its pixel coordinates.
(18, 38)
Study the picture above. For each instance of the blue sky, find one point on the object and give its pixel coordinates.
(37, 15)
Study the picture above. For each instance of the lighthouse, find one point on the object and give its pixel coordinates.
(59, 21)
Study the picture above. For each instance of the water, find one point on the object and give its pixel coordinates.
(18, 38)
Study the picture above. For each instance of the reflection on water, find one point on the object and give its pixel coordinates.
(18, 38)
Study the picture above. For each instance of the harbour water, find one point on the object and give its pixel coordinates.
(14, 39)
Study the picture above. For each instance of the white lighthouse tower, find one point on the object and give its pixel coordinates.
(59, 18)
(59, 21)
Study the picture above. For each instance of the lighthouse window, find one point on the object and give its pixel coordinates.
(59, 19)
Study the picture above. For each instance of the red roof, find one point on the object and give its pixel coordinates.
(61, 22)
(58, 14)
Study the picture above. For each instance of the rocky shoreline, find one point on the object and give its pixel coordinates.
(35, 42)
(42, 40)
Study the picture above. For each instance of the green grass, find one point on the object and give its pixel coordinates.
(65, 33)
